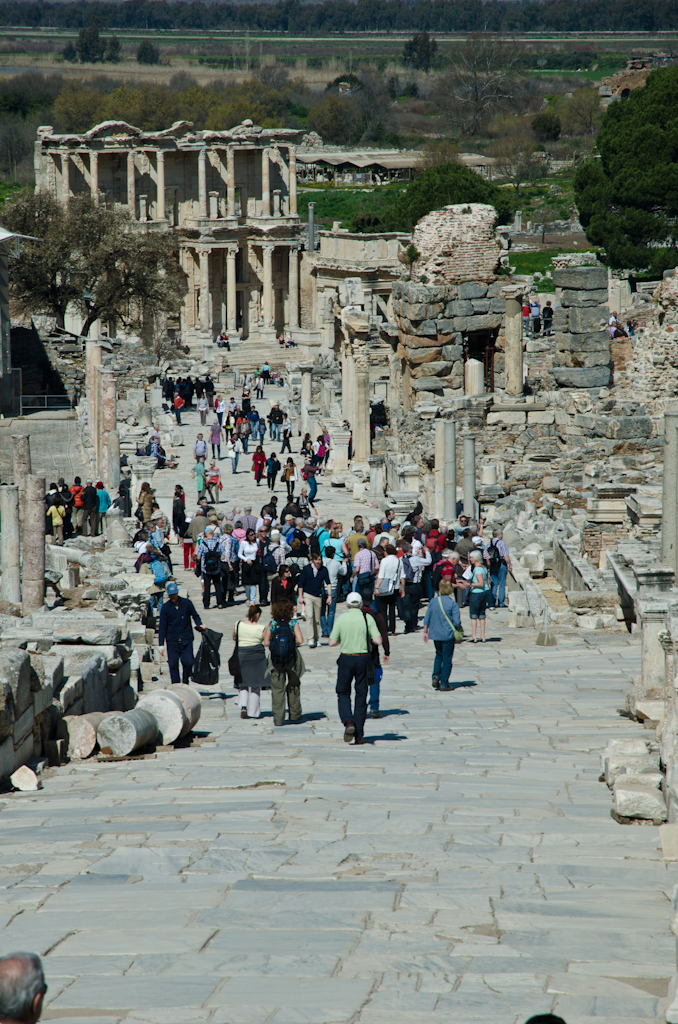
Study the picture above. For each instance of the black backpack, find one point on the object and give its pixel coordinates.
(283, 644)
(211, 562)
(496, 559)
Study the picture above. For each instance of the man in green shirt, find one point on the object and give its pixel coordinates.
(355, 633)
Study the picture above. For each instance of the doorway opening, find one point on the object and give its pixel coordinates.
(481, 345)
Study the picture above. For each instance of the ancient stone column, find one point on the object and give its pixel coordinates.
(343, 359)
(306, 395)
(10, 586)
(230, 182)
(394, 397)
(214, 205)
(34, 545)
(293, 182)
(265, 184)
(513, 333)
(21, 456)
(268, 285)
(108, 419)
(469, 473)
(670, 486)
(231, 290)
(446, 471)
(202, 183)
(93, 356)
(361, 411)
(113, 468)
(338, 461)
(94, 175)
(474, 377)
(131, 183)
(160, 185)
(205, 290)
(350, 378)
(65, 175)
(293, 288)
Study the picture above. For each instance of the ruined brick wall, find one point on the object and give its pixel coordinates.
(652, 369)
(457, 244)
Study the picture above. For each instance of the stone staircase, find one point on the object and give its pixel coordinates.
(250, 354)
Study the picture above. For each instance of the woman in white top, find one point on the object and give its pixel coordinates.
(386, 587)
(251, 641)
(203, 408)
(251, 571)
(220, 408)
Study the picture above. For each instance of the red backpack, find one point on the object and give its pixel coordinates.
(447, 572)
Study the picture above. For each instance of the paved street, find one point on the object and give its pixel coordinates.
(462, 866)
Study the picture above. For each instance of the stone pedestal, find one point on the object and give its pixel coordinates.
(34, 545)
(377, 464)
(10, 587)
(338, 461)
(654, 585)
(142, 471)
(446, 471)
(513, 332)
(474, 377)
(469, 473)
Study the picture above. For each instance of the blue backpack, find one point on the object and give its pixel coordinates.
(160, 571)
(283, 644)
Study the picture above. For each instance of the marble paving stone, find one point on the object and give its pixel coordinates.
(461, 867)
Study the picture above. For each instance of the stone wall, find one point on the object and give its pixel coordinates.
(457, 243)
(432, 321)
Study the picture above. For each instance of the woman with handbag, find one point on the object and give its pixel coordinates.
(442, 624)
(386, 586)
(248, 664)
(479, 578)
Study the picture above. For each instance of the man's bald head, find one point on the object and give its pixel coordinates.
(22, 988)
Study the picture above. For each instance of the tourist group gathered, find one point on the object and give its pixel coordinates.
(351, 585)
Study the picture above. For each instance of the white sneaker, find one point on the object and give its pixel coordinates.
(312, 643)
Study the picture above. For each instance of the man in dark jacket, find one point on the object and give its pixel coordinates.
(90, 508)
(175, 636)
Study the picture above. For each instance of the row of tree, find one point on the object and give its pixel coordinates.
(362, 16)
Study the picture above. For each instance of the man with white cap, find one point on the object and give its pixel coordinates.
(354, 633)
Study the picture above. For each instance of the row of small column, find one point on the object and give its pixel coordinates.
(268, 310)
(227, 173)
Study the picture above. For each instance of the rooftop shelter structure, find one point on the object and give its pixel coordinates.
(325, 165)
(230, 197)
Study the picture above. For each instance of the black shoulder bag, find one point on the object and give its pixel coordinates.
(371, 668)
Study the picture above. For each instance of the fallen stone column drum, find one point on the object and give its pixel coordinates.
(169, 713)
(123, 734)
(192, 702)
(81, 732)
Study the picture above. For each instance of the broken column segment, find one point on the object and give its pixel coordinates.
(513, 334)
(123, 734)
(10, 587)
(446, 470)
(33, 588)
(469, 474)
(581, 325)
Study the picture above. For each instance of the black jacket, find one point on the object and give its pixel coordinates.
(89, 498)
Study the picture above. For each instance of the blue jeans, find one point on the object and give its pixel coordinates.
(245, 441)
(275, 431)
(498, 582)
(234, 462)
(442, 666)
(327, 617)
(374, 689)
(312, 488)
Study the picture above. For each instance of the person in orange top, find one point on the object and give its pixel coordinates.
(76, 490)
(259, 464)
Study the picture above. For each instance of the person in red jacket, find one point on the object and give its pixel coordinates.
(76, 490)
(259, 463)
